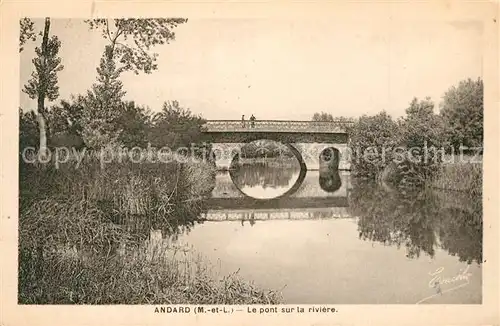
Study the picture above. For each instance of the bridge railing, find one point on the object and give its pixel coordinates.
(277, 126)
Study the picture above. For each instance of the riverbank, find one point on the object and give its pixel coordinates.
(84, 236)
(463, 176)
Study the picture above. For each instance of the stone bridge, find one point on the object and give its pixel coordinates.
(309, 138)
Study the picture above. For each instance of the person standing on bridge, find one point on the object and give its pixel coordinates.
(252, 121)
(243, 121)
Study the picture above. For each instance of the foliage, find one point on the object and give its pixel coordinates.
(134, 122)
(27, 32)
(66, 130)
(462, 111)
(65, 124)
(43, 82)
(372, 139)
(324, 116)
(28, 130)
(421, 126)
(130, 40)
(102, 106)
(175, 127)
(421, 135)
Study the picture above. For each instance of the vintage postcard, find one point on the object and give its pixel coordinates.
(249, 163)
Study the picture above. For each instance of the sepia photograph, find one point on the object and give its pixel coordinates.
(250, 161)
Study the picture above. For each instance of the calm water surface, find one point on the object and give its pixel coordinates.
(334, 240)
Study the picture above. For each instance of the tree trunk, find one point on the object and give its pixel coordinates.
(43, 135)
(42, 91)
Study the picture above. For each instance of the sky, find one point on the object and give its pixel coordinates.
(282, 69)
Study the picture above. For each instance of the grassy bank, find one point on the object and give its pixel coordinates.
(83, 233)
(140, 275)
(456, 176)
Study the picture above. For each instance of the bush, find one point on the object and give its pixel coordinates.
(175, 127)
(369, 137)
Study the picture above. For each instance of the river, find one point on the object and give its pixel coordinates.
(322, 237)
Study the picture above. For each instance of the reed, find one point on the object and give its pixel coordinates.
(82, 230)
(463, 177)
(148, 274)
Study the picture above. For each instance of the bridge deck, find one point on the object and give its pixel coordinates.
(277, 126)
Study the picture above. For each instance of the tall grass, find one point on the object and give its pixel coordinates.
(82, 230)
(139, 276)
(464, 177)
(148, 193)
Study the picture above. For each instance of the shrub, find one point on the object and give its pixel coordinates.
(370, 136)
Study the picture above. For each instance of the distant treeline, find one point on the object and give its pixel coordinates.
(134, 126)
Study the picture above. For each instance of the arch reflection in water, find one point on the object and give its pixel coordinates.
(265, 174)
(329, 177)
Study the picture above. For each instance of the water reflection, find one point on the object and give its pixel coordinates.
(329, 180)
(388, 241)
(419, 221)
(265, 178)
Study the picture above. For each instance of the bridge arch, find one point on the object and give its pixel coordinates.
(292, 190)
(309, 152)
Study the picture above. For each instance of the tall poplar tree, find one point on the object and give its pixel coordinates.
(43, 82)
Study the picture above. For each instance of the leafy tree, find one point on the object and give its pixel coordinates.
(129, 49)
(27, 32)
(324, 116)
(65, 128)
(462, 112)
(175, 127)
(134, 121)
(43, 82)
(421, 134)
(130, 40)
(372, 141)
(102, 106)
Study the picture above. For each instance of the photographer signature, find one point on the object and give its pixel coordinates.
(438, 280)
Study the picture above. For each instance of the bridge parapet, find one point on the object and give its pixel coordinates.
(278, 126)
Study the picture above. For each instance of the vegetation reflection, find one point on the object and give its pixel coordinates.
(419, 220)
(265, 170)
